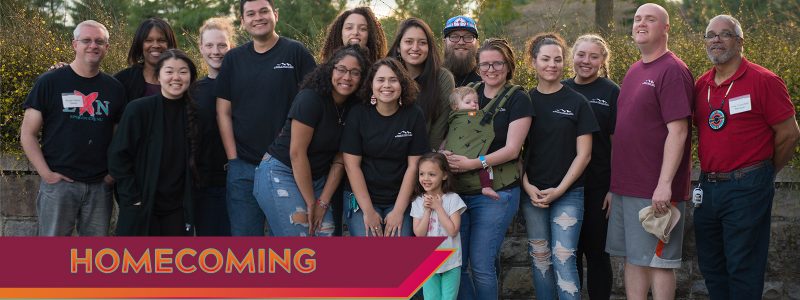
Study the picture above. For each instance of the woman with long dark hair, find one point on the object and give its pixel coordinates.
(415, 46)
(151, 156)
(561, 147)
(303, 167)
(152, 38)
(382, 142)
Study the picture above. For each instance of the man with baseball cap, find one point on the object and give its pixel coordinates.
(460, 49)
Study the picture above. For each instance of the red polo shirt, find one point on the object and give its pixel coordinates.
(747, 137)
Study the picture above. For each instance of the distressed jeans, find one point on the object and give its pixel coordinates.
(553, 235)
(483, 228)
(355, 218)
(279, 198)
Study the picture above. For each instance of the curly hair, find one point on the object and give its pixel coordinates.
(440, 160)
(429, 78)
(136, 51)
(376, 38)
(504, 48)
(605, 68)
(319, 80)
(408, 85)
(543, 39)
(192, 118)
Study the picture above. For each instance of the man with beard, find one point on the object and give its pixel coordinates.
(738, 103)
(460, 49)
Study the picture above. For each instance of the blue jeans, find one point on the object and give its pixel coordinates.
(732, 230)
(355, 219)
(66, 206)
(211, 212)
(483, 228)
(246, 216)
(553, 235)
(280, 199)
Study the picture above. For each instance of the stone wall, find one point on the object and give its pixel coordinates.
(783, 270)
(18, 186)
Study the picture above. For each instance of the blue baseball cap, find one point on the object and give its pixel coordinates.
(460, 22)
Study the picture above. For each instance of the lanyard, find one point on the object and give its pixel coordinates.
(708, 98)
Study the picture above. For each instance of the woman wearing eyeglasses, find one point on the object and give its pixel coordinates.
(484, 224)
(303, 167)
(415, 48)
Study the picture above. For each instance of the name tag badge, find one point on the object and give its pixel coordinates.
(70, 100)
(740, 104)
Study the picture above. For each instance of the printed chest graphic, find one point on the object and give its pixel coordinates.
(85, 107)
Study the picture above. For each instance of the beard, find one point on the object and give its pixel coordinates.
(723, 57)
(459, 66)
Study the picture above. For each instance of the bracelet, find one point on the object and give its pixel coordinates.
(323, 204)
(483, 161)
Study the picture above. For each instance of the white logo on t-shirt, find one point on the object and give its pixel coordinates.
(283, 66)
(565, 112)
(403, 133)
(599, 101)
(649, 82)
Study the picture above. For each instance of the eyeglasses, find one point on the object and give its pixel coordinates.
(722, 36)
(455, 38)
(341, 70)
(99, 42)
(497, 65)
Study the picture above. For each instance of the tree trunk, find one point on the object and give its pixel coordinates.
(603, 15)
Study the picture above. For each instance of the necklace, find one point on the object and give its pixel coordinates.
(716, 119)
(340, 113)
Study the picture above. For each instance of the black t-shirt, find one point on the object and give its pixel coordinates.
(174, 156)
(211, 158)
(384, 144)
(261, 87)
(466, 79)
(561, 117)
(517, 107)
(326, 118)
(602, 95)
(78, 121)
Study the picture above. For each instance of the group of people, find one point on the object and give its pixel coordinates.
(394, 140)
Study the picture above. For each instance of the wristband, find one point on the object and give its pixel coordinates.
(323, 204)
(483, 161)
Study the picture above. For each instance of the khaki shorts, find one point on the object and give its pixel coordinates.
(627, 238)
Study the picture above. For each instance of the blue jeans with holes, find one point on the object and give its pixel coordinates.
(280, 199)
(355, 219)
(553, 235)
(64, 206)
(246, 216)
(483, 228)
(732, 230)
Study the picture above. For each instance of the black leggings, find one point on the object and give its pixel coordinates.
(168, 223)
(592, 243)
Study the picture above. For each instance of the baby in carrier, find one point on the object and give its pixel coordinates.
(467, 136)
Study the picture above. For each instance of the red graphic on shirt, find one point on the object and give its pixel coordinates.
(87, 103)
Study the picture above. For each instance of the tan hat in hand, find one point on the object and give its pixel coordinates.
(660, 226)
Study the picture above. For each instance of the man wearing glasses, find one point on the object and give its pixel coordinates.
(75, 108)
(737, 103)
(460, 49)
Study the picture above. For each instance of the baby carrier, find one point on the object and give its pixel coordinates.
(470, 134)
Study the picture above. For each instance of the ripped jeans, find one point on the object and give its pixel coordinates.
(553, 235)
(278, 196)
